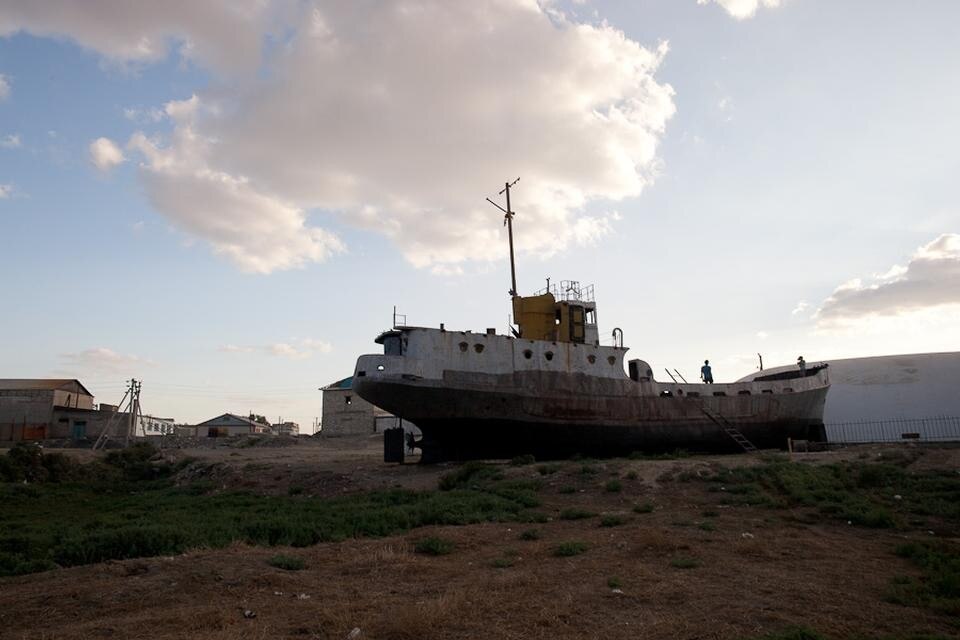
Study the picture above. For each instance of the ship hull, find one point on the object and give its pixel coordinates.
(565, 414)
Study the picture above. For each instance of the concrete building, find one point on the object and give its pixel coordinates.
(230, 424)
(345, 413)
(286, 429)
(154, 426)
(29, 408)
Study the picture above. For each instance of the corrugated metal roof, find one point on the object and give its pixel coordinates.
(346, 383)
(35, 384)
(213, 422)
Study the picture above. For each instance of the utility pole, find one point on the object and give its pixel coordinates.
(508, 221)
(132, 408)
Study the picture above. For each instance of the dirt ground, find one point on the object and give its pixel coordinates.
(758, 570)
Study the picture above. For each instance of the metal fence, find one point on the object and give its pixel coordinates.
(935, 429)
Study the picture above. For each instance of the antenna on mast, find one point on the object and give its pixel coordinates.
(508, 221)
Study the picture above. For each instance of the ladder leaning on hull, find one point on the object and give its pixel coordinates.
(730, 430)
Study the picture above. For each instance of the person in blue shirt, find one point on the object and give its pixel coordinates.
(706, 373)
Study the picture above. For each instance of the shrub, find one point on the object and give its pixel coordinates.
(567, 549)
(576, 514)
(287, 563)
(523, 460)
(646, 507)
(614, 583)
(568, 489)
(294, 490)
(612, 521)
(471, 475)
(684, 562)
(613, 486)
(503, 563)
(434, 546)
(707, 526)
(549, 469)
(631, 475)
(530, 534)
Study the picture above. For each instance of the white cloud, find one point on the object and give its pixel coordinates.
(931, 279)
(223, 34)
(6, 190)
(10, 141)
(398, 118)
(742, 9)
(4, 87)
(151, 115)
(105, 154)
(101, 360)
(298, 350)
(762, 335)
(802, 306)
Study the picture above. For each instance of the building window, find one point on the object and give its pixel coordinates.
(348, 399)
(463, 347)
(591, 358)
(478, 348)
(527, 354)
(548, 355)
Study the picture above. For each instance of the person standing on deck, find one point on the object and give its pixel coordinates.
(803, 366)
(706, 373)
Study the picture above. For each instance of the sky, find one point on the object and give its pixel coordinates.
(227, 199)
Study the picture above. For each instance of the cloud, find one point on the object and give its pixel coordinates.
(10, 141)
(4, 87)
(101, 360)
(397, 118)
(105, 154)
(222, 34)
(930, 279)
(6, 190)
(743, 9)
(802, 306)
(302, 349)
(144, 116)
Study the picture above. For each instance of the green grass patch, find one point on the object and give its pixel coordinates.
(614, 583)
(643, 507)
(612, 520)
(684, 562)
(62, 524)
(574, 513)
(939, 586)
(567, 549)
(287, 563)
(631, 475)
(613, 486)
(434, 546)
(707, 526)
(861, 493)
(471, 475)
(589, 470)
(530, 534)
(549, 469)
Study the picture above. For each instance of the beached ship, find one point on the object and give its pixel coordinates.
(552, 390)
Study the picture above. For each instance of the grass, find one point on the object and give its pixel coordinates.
(612, 520)
(530, 534)
(613, 486)
(567, 489)
(523, 460)
(503, 563)
(549, 469)
(106, 517)
(644, 507)
(434, 546)
(707, 526)
(684, 562)
(858, 492)
(614, 583)
(567, 549)
(287, 563)
(573, 513)
(939, 587)
(631, 475)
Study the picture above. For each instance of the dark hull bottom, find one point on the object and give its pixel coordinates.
(481, 439)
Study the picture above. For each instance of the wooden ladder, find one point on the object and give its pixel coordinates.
(730, 430)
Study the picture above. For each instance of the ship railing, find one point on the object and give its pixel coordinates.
(933, 429)
(569, 291)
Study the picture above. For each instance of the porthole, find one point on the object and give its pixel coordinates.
(719, 394)
(548, 355)
(379, 367)
(612, 360)
(743, 393)
(463, 347)
(527, 354)
(478, 348)
(591, 358)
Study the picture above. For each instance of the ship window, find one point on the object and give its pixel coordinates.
(766, 391)
(380, 367)
(392, 346)
(666, 394)
(591, 358)
(463, 347)
(478, 348)
(527, 354)
(787, 390)
(612, 360)
(719, 393)
(348, 399)
(679, 392)
(743, 393)
(548, 355)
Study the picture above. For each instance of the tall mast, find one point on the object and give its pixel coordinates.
(508, 221)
